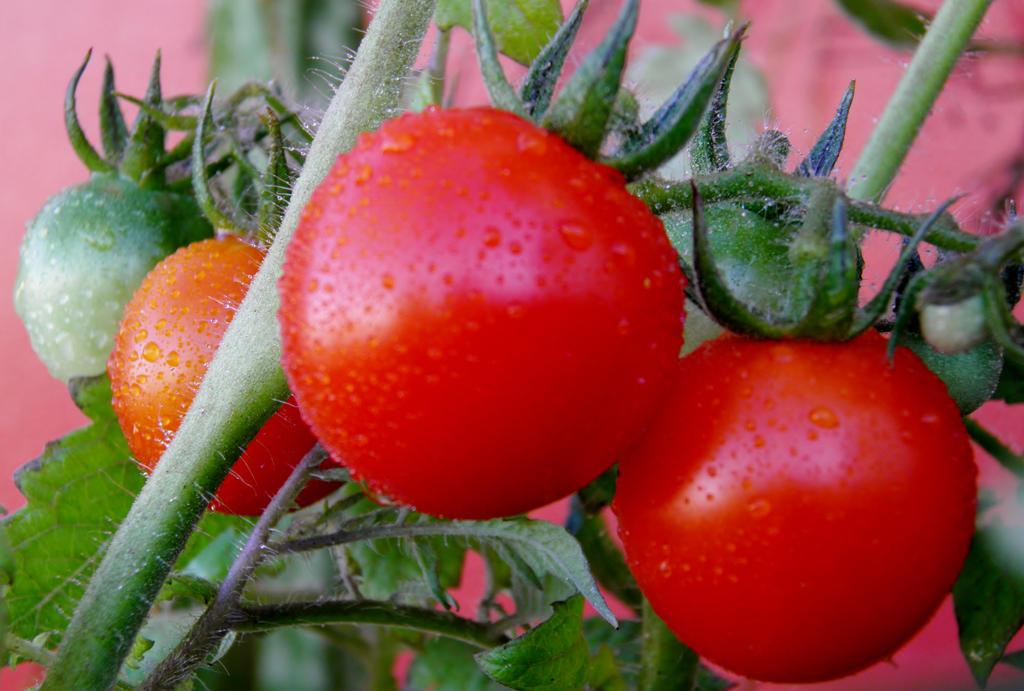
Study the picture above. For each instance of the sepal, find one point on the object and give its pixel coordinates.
(674, 123)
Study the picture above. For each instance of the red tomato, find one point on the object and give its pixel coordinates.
(171, 329)
(477, 320)
(799, 510)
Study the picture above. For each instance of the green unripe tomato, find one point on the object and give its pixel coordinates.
(954, 327)
(84, 254)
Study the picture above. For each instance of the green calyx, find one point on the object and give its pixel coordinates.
(137, 154)
(593, 111)
(776, 254)
(240, 172)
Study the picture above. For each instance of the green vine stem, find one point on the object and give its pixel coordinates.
(241, 390)
(995, 448)
(265, 617)
(947, 37)
(755, 183)
(211, 627)
(667, 664)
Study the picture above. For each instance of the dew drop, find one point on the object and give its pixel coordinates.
(824, 417)
(492, 236)
(151, 352)
(530, 142)
(759, 508)
(364, 175)
(172, 358)
(141, 335)
(388, 281)
(625, 252)
(396, 143)
(577, 237)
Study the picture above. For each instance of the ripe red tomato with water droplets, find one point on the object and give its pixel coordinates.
(799, 510)
(476, 319)
(170, 331)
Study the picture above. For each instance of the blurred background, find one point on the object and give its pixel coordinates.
(799, 57)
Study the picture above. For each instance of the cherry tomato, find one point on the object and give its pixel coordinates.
(799, 510)
(476, 319)
(170, 331)
(83, 256)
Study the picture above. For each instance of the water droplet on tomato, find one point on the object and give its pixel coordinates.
(172, 358)
(783, 353)
(577, 237)
(388, 281)
(625, 252)
(824, 417)
(141, 335)
(151, 352)
(395, 143)
(363, 175)
(531, 142)
(759, 508)
(492, 236)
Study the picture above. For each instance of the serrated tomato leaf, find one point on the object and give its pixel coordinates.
(550, 657)
(988, 599)
(521, 28)
(447, 664)
(78, 492)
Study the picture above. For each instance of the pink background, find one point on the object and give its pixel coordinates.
(808, 50)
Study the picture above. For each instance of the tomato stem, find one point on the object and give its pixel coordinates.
(995, 448)
(914, 97)
(242, 388)
(213, 625)
(668, 664)
(748, 182)
(268, 617)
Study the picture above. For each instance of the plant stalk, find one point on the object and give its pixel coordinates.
(242, 388)
(667, 664)
(266, 617)
(211, 627)
(946, 38)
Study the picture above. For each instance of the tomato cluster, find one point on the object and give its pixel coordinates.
(478, 320)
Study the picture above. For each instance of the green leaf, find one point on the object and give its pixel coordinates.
(409, 569)
(550, 657)
(895, 23)
(78, 492)
(988, 598)
(521, 28)
(447, 664)
(604, 672)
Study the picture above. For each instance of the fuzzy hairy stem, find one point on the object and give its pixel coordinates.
(882, 156)
(211, 627)
(266, 617)
(241, 390)
(667, 664)
(756, 183)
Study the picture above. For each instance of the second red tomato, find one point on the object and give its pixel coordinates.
(477, 320)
